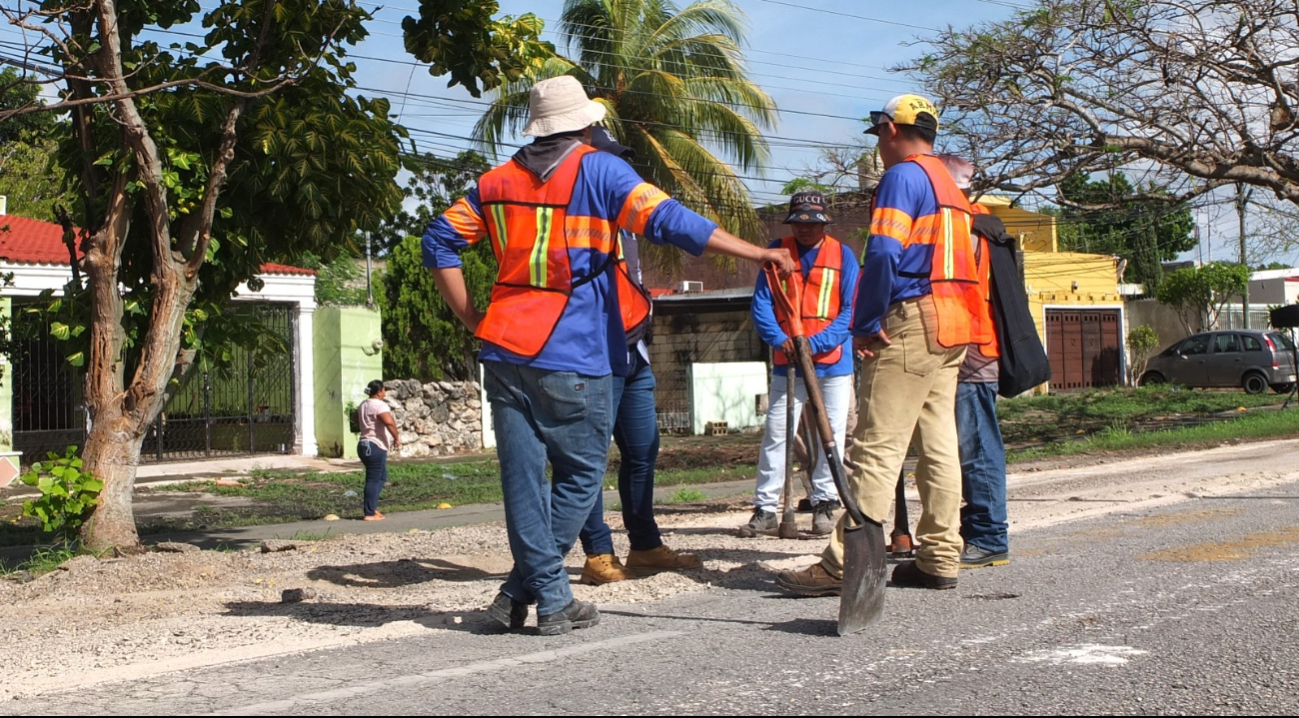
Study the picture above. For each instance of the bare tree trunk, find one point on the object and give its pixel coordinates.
(112, 454)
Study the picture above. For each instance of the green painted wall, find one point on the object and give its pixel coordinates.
(346, 360)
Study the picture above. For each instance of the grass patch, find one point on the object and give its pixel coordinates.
(42, 561)
(1060, 416)
(279, 496)
(687, 496)
(1249, 427)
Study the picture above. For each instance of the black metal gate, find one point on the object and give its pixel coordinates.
(247, 406)
(48, 413)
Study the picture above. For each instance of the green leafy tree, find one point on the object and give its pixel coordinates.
(422, 337)
(1143, 340)
(1109, 216)
(32, 185)
(196, 163)
(1202, 292)
(675, 88)
(463, 39)
(435, 183)
(339, 282)
(1272, 265)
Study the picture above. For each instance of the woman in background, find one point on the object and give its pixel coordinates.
(375, 419)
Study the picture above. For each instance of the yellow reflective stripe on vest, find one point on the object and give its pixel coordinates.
(498, 213)
(828, 279)
(541, 248)
(949, 252)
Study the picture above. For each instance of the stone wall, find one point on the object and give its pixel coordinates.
(437, 418)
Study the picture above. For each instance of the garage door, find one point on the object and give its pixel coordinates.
(1084, 348)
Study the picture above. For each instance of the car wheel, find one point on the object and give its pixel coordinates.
(1151, 378)
(1254, 383)
(1283, 388)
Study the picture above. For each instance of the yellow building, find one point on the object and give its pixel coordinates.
(1074, 299)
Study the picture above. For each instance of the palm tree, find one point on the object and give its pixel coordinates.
(676, 91)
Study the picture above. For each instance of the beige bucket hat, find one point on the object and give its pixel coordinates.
(560, 105)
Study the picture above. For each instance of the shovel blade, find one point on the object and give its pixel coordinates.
(864, 574)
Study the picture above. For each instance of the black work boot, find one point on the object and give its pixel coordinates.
(510, 613)
(760, 522)
(577, 614)
(909, 575)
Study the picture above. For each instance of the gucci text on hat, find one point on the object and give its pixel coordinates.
(807, 207)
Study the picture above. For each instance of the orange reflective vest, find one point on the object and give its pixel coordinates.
(983, 267)
(531, 235)
(634, 302)
(963, 316)
(822, 298)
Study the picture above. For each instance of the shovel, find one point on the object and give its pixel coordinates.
(864, 561)
(788, 523)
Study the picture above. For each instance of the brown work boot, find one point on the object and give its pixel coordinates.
(811, 581)
(604, 568)
(662, 559)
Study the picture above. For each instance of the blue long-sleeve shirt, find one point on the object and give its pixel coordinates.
(589, 337)
(891, 273)
(836, 333)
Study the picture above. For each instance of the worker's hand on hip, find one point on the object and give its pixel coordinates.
(863, 345)
(781, 260)
(473, 319)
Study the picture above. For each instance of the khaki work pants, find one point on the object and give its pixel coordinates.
(909, 389)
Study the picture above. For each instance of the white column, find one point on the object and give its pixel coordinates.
(306, 380)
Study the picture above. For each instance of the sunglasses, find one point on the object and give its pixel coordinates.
(878, 117)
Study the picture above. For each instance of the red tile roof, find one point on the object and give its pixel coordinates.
(31, 241)
(273, 268)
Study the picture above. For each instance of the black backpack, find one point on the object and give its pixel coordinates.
(1023, 363)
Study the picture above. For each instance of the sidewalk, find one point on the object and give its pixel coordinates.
(208, 468)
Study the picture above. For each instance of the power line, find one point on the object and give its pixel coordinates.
(856, 17)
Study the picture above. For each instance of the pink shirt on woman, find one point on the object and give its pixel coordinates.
(373, 430)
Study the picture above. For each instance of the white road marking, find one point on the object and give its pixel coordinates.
(297, 703)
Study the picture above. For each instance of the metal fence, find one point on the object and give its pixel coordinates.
(48, 413)
(245, 406)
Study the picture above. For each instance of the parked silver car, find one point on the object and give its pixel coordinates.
(1252, 360)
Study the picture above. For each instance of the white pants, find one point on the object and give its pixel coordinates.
(837, 394)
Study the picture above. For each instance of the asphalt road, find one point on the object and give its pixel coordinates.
(1192, 608)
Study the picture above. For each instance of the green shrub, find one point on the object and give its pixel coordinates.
(68, 494)
(1142, 342)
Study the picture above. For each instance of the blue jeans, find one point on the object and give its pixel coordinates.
(636, 429)
(375, 460)
(983, 467)
(565, 418)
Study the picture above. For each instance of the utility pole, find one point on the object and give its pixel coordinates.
(369, 290)
(1242, 201)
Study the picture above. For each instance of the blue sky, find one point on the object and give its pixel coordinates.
(808, 60)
